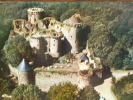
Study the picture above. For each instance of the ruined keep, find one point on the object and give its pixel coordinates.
(47, 35)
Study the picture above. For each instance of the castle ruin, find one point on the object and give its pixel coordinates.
(49, 39)
(47, 35)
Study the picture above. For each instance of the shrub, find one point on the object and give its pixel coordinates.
(63, 91)
(27, 92)
(6, 87)
(88, 93)
(123, 88)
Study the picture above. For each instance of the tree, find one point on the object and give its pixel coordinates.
(16, 49)
(32, 93)
(88, 93)
(4, 34)
(63, 91)
(123, 88)
(68, 14)
(3, 67)
(6, 87)
(115, 60)
(27, 92)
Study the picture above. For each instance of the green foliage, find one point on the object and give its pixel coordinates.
(3, 67)
(113, 80)
(88, 93)
(27, 92)
(119, 60)
(123, 88)
(60, 72)
(62, 59)
(32, 93)
(17, 93)
(66, 58)
(4, 32)
(6, 87)
(82, 36)
(68, 14)
(16, 49)
(63, 91)
(115, 59)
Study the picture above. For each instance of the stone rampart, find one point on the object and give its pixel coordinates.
(47, 79)
(83, 66)
(44, 80)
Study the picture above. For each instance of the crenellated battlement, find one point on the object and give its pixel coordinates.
(35, 14)
(74, 25)
(37, 10)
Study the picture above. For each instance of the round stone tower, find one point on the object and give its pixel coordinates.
(35, 14)
(71, 30)
(84, 79)
(25, 73)
(55, 46)
(72, 38)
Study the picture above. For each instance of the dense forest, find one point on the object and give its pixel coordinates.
(107, 26)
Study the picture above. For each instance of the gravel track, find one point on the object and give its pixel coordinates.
(105, 88)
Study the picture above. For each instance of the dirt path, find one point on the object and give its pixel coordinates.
(105, 88)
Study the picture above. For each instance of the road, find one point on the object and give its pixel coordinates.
(105, 88)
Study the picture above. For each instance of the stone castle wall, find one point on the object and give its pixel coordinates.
(70, 34)
(19, 26)
(54, 45)
(83, 80)
(44, 80)
(34, 43)
(38, 44)
(31, 27)
(83, 66)
(44, 44)
(48, 43)
(23, 77)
